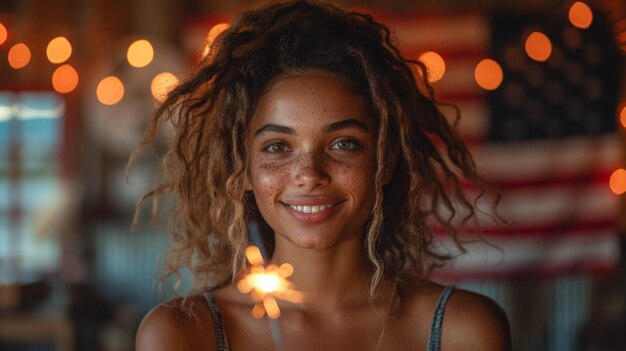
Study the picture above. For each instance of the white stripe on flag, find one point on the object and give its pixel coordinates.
(554, 158)
(532, 253)
(540, 207)
(474, 121)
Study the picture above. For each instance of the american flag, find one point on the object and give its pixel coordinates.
(546, 136)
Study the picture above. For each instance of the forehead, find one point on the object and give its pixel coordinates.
(316, 97)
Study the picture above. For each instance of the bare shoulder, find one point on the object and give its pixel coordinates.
(474, 322)
(470, 321)
(173, 325)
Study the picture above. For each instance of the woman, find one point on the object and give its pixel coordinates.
(307, 119)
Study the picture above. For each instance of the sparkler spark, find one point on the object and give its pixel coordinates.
(266, 284)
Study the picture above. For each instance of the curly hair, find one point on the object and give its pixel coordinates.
(205, 163)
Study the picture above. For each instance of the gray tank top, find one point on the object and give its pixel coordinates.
(434, 338)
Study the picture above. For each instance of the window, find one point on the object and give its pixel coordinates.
(30, 138)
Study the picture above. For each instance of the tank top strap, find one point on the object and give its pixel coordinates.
(218, 326)
(434, 339)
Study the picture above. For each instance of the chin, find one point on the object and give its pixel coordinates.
(311, 241)
(315, 238)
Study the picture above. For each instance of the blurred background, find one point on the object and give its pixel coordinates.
(540, 87)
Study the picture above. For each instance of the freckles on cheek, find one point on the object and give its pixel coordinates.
(355, 175)
(269, 177)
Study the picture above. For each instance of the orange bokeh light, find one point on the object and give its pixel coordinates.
(618, 181)
(110, 90)
(622, 117)
(4, 34)
(162, 84)
(19, 55)
(210, 38)
(580, 15)
(538, 46)
(59, 50)
(435, 64)
(488, 74)
(140, 53)
(64, 79)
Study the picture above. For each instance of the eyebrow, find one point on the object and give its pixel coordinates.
(268, 128)
(347, 123)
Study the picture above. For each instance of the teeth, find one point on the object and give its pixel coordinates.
(310, 209)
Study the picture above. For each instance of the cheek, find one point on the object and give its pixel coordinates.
(268, 178)
(356, 177)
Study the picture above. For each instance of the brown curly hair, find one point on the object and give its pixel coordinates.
(205, 163)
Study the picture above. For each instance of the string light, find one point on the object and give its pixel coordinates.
(622, 117)
(64, 79)
(435, 64)
(210, 38)
(538, 46)
(488, 74)
(140, 53)
(110, 90)
(59, 50)
(580, 15)
(19, 55)
(4, 34)
(617, 182)
(162, 84)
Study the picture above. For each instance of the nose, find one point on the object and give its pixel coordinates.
(310, 172)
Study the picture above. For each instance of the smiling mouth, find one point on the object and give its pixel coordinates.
(310, 209)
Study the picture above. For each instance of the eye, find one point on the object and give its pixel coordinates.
(346, 144)
(276, 147)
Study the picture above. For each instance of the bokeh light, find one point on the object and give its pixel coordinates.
(4, 34)
(435, 64)
(210, 38)
(140, 53)
(64, 79)
(110, 90)
(59, 50)
(162, 84)
(488, 74)
(618, 181)
(538, 46)
(19, 56)
(580, 15)
(622, 116)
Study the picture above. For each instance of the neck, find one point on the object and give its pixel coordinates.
(334, 277)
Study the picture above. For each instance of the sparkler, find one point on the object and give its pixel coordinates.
(265, 284)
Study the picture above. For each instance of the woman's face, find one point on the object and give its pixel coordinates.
(311, 164)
